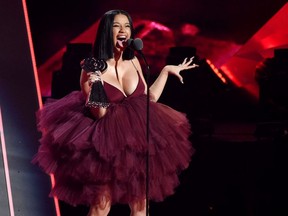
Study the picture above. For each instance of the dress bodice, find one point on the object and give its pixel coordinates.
(116, 95)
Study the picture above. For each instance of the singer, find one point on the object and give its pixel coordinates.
(98, 153)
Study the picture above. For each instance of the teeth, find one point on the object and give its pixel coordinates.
(121, 38)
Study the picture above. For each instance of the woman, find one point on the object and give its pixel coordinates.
(98, 153)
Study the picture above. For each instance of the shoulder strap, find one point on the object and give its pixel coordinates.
(135, 66)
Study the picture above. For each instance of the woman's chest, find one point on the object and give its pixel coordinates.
(123, 80)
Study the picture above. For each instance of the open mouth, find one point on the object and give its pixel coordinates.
(121, 40)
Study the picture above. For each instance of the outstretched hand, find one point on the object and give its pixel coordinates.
(185, 65)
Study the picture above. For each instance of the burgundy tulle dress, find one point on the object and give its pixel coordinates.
(88, 155)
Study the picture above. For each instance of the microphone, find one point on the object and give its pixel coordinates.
(135, 44)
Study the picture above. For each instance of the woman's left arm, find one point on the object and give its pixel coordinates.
(157, 87)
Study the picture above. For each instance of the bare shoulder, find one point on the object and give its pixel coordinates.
(135, 60)
(136, 64)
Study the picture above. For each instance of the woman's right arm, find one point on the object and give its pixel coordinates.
(85, 84)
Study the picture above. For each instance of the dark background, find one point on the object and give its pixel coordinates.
(240, 161)
(54, 23)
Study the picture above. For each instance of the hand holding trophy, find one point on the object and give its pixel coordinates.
(97, 96)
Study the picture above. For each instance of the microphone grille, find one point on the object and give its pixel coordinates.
(138, 44)
(129, 41)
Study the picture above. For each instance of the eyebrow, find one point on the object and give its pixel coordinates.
(120, 23)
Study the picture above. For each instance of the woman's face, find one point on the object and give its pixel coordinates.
(121, 31)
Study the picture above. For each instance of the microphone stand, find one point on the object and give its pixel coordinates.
(147, 129)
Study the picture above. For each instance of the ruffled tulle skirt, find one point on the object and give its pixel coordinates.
(89, 157)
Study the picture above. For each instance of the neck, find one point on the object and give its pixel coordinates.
(118, 54)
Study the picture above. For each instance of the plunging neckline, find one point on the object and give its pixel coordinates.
(122, 91)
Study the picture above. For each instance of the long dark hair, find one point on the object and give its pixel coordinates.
(103, 44)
